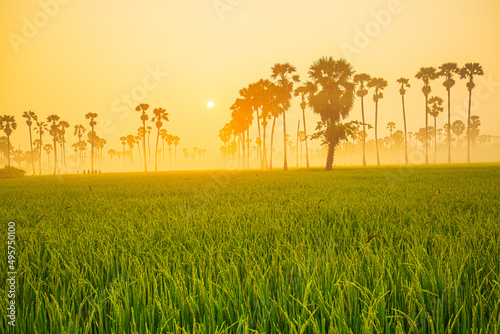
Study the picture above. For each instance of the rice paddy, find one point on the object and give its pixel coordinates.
(375, 250)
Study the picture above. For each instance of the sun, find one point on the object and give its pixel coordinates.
(210, 104)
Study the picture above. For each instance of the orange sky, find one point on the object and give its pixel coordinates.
(71, 57)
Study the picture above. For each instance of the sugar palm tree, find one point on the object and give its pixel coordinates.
(123, 140)
(63, 125)
(30, 117)
(284, 77)
(131, 142)
(54, 131)
(360, 80)
(142, 108)
(176, 142)
(92, 116)
(149, 129)
(405, 83)
(447, 70)
(163, 135)
(48, 149)
(378, 84)
(79, 131)
(332, 98)
(41, 128)
(458, 128)
(303, 91)
(435, 108)
(160, 116)
(8, 125)
(468, 72)
(426, 74)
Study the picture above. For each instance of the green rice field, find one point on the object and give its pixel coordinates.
(373, 250)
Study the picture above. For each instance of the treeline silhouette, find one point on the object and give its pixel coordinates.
(330, 92)
(89, 151)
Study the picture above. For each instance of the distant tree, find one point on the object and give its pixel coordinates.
(379, 84)
(41, 128)
(142, 108)
(48, 149)
(63, 125)
(148, 129)
(176, 142)
(447, 70)
(123, 140)
(474, 128)
(30, 117)
(405, 83)
(8, 125)
(458, 128)
(79, 131)
(426, 74)
(468, 72)
(54, 131)
(131, 142)
(360, 80)
(435, 108)
(160, 116)
(92, 116)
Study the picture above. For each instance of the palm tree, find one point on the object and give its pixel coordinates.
(468, 72)
(435, 108)
(458, 128)
(163, 135)
(41, 128)
(284, 76)
(79, 131)
(379, 84)
(160, 115)
(332, 97)
(54, 131)
(123, 140)
(48, 148)
(405, 83)
(149, 128)
(302, 91)
(447, 70)
(131, 142)
(360, 79)
(8, 125)
(426, 74)
(142, 108)
(62, 131)
(30, 117)
(92, 116)
(176, 142)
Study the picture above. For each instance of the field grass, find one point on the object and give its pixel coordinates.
(376, 250)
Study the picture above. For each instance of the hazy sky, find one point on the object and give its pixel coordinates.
(74, 56)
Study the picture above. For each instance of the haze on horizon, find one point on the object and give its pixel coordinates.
(72, 57)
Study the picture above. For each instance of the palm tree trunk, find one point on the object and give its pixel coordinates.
(32, 156)
(144, 145)
(156, 151)
(55, 155)
(305, 135)
(285, 165)
(376, 137)
(272, 138)
(298, 130)
(264, 151)
(468, 127)
(40, 161)
(331, 151)
(364, 130)
(435, 140)
(8, 150)
(449, 127)
(404, 123)
(260, 141)
(426, 132)
(248, 147)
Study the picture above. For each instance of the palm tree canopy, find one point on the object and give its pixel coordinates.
(471, 69)
(333, 96)
(426, 74)
(435, 106)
